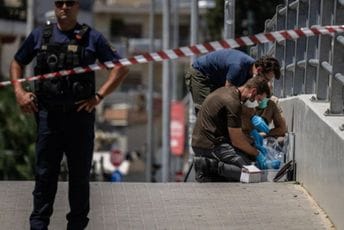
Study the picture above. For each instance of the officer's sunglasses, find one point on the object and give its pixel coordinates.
(59, 4)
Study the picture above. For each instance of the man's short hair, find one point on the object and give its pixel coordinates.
(260, 83)
(268, 64)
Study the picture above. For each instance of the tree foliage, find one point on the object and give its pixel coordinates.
(17, 137)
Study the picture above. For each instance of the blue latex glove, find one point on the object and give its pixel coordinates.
(262, 149)
(261, 160)
(259, 124)
(263, 163)
(258, 139)
(273, 164)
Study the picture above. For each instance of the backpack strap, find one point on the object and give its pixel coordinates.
(79, 33)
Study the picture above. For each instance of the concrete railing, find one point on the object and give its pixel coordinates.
(312, 88)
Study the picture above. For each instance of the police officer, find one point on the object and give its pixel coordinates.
(64, 108)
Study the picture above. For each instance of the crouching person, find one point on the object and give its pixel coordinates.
(221, 148)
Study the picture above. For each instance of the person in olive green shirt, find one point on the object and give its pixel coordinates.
(221, 148)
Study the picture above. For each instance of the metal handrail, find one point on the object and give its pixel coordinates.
(309, 64)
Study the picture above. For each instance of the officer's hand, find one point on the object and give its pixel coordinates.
(88, 104)
(27, 101)
(259, 123)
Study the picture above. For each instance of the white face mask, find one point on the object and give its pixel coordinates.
(251, 104)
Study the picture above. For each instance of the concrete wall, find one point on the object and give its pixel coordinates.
(319, 153)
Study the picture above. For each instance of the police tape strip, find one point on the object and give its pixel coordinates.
(197, 49)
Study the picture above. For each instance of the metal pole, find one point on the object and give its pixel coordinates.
(175, 44)
(191, 112)
(150, 109)
(29, 16)
(229, 23)
(29, 27)
(166, 94)
(194, 23)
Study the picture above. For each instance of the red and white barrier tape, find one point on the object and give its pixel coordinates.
(194, 50)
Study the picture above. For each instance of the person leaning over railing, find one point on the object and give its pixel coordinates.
(226, 67)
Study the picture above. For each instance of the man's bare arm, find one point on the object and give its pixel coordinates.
(240, 141)
(25, 100)
(116, 76)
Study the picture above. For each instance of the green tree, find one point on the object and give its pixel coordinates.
(17, 137)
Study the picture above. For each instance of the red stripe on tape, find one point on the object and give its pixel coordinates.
(255, 40)
(315, 31)
(240, 42)
(163, 55)
(209, 47)
(179, 52)
(195, 50)
(148, 56)
(286, 35)
(133, 60)
(270, 37)
(224, 44)
(299, 32)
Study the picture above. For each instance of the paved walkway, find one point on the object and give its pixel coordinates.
(175, 206)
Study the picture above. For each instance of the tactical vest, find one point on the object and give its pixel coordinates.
(53, 57)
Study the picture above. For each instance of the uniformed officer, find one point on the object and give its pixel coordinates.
(64, 108)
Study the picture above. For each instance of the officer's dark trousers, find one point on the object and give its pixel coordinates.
(70, 133)
(222, 164)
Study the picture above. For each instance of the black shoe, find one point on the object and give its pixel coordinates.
(206, 169)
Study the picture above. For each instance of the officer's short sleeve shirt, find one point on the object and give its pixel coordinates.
(228, 64)
(96, 47)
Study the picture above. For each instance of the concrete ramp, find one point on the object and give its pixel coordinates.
(175, 206)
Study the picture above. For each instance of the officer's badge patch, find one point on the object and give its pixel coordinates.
(72, 48)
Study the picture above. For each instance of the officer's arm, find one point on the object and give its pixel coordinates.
(116, 76)
(26, 100)
(241, 141)
(16, 73)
